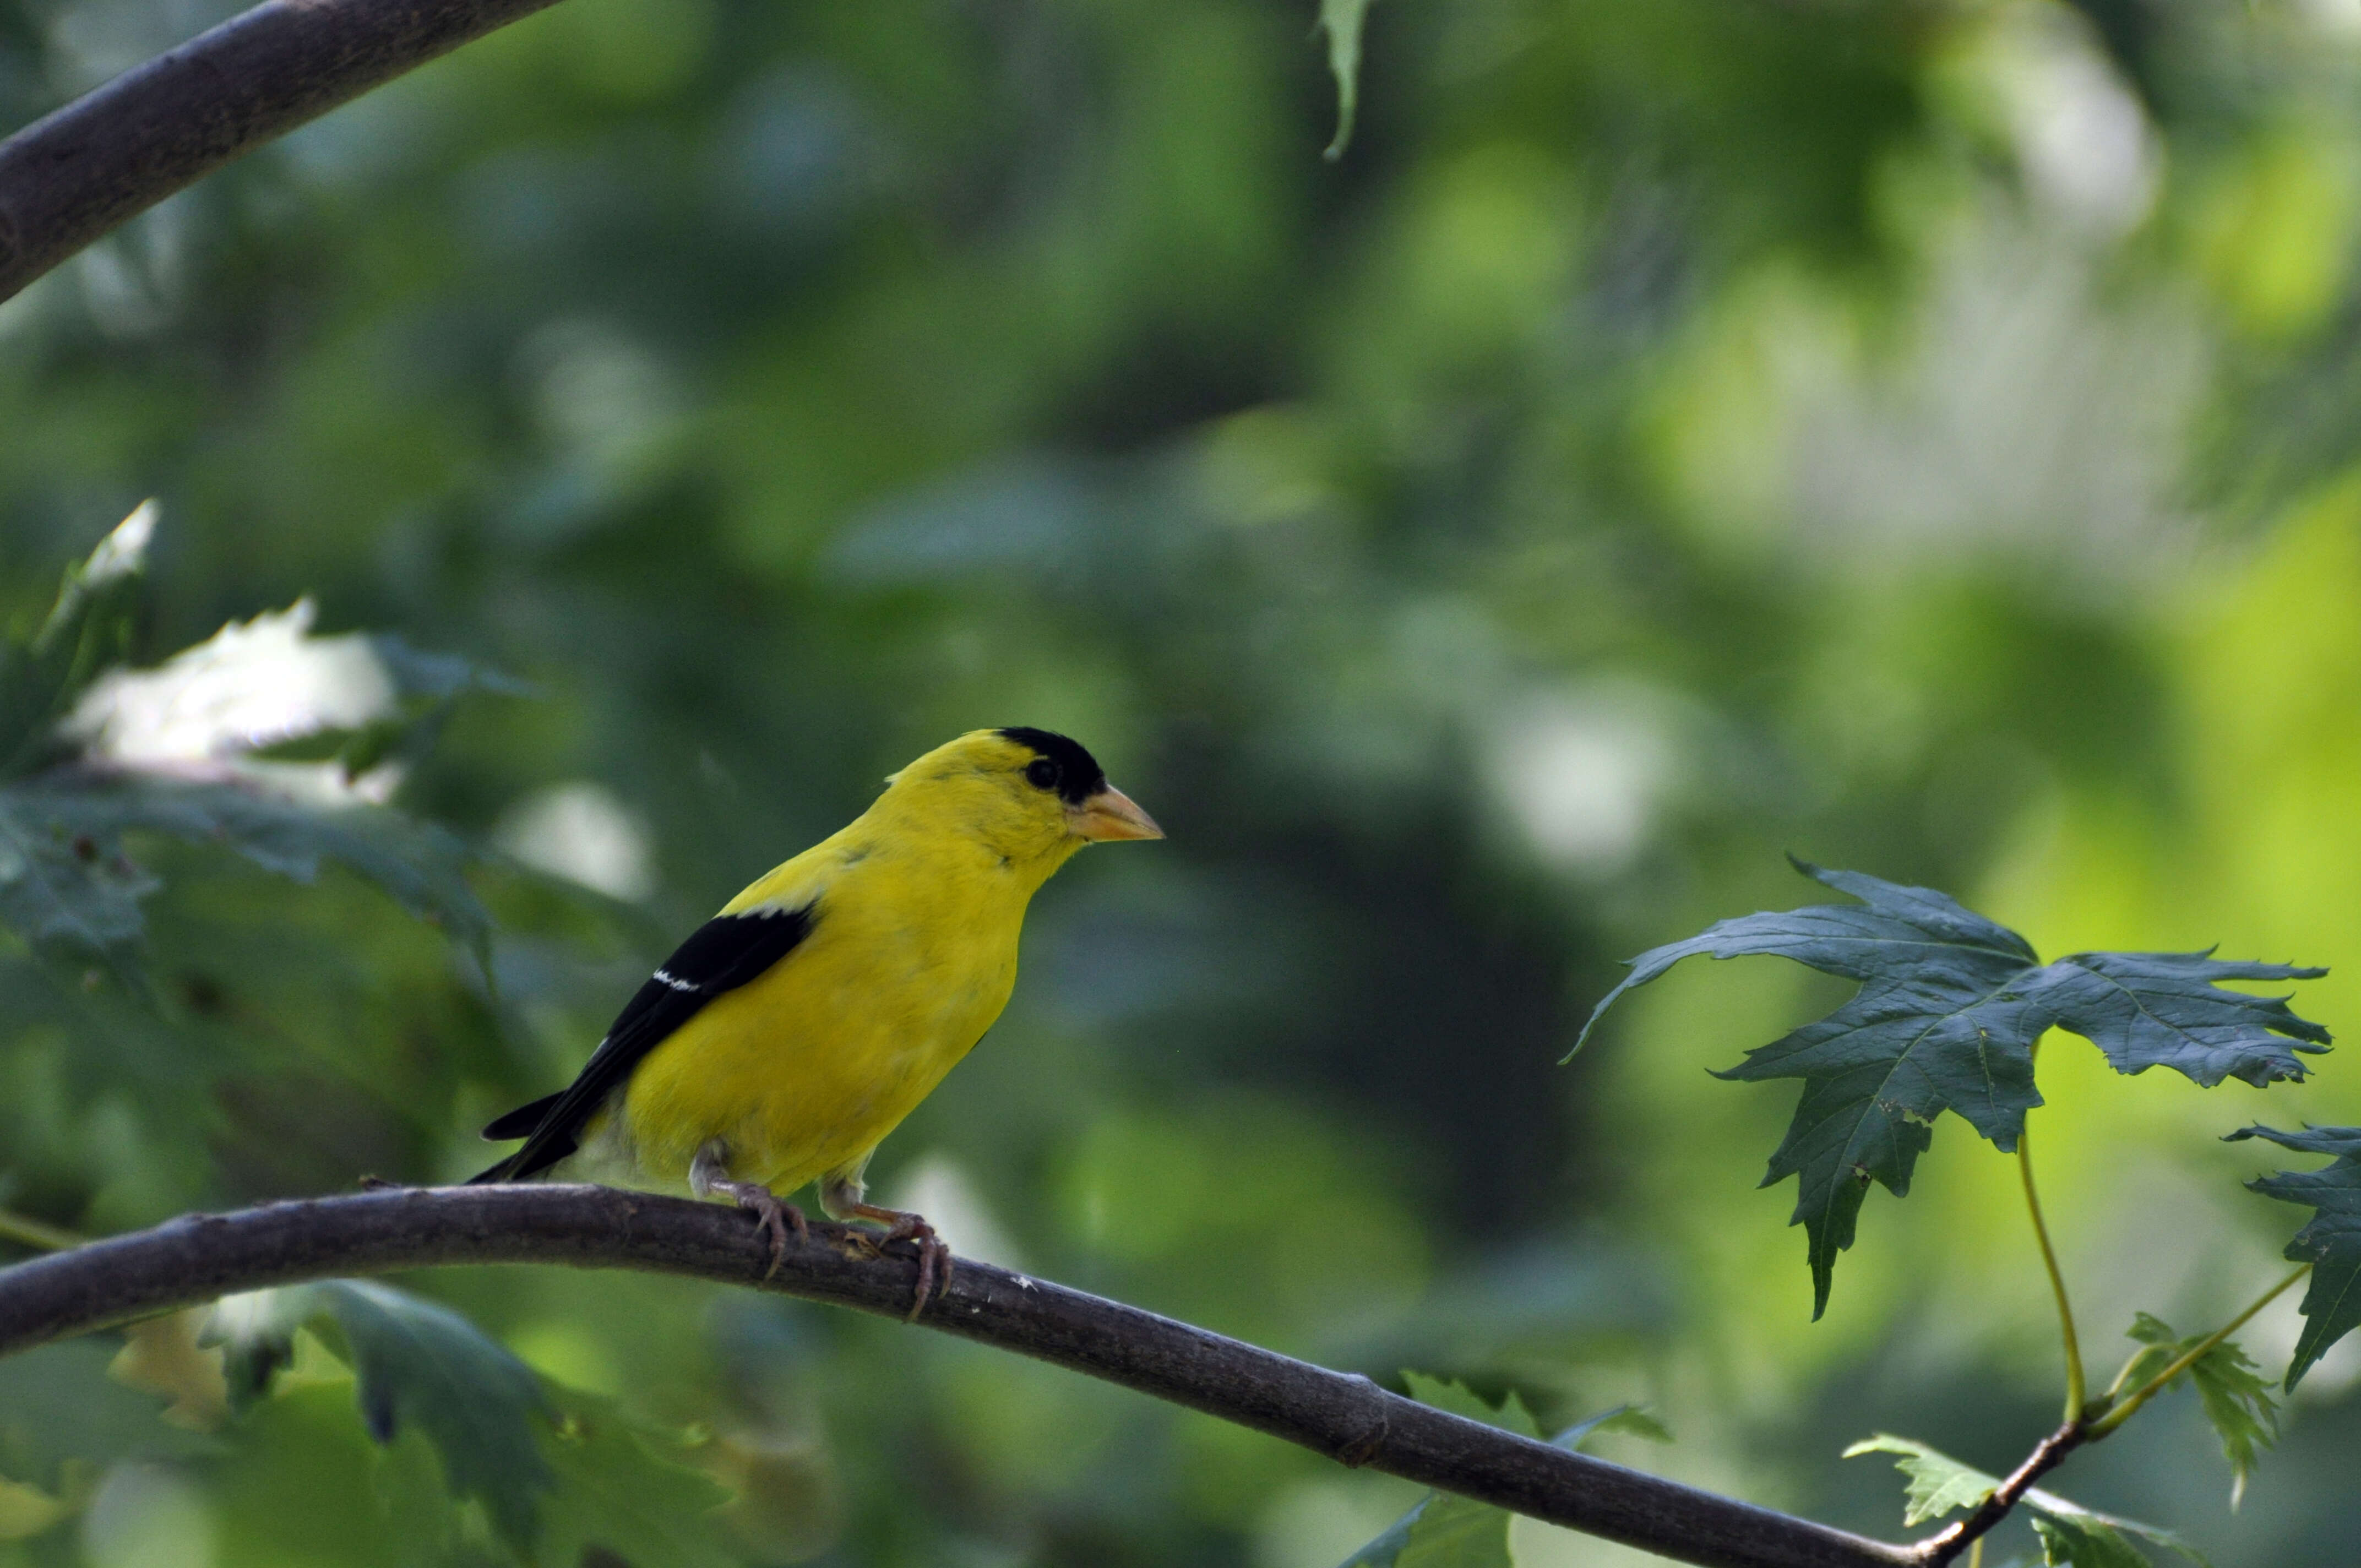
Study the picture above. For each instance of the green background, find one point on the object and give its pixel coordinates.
(1913, 435)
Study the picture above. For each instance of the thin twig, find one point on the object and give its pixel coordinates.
(2117, 1415)
(198, 1259)
(110, 155)
(1947, 1543)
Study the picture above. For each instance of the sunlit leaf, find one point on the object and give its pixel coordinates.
(2236, 1398)
(1950, 1009)
(88, 629)
(163, 748)
(26, 1511)
(166, 1356)
(1938, 1483)
(425, 689)
(2330, 1242)
(255, 1331)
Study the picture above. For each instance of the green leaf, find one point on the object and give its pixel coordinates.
(2236, 1399)
(1950, 1008)
(2085, 1543)
(1938, 1483)
(255, 1331)
(561, 1472)
(2330, 1242)
(1442, 1530)
(419, 1363)
(2071, 1533)
(2157, 1337)
(617, 1490)
(61, 890)
(1630, 1419)
(2147, 1010)
(438, 677)
(1457, 1532)
(170, 751)
(416, 1365)
(1341, 20)
(1450, 1394)
(1385, 1551)
(59, 1409)
(426, 692)
(88, 628)
(66, 881)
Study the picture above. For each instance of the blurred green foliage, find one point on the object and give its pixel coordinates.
(1915, 435)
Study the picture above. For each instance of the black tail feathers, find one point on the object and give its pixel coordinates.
(522, 1122)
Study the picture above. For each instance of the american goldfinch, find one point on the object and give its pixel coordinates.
(790, 1033)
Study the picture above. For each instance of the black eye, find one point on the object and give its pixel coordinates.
(1041, 773)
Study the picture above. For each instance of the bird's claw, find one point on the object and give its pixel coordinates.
(934, 1258)
(772, 1217)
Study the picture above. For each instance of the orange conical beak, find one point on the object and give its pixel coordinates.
(1110, 814)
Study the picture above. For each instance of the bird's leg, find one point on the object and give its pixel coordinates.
(841, 1196)
(709, 1174)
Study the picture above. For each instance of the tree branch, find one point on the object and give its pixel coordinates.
(199, 1258)
(2047, 1454)
(68, 178)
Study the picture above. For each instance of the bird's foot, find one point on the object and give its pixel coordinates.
(771, 1216)
(934, 1258)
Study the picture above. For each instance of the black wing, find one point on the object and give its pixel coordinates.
(721, 955)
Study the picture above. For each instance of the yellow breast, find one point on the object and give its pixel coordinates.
(910, 959)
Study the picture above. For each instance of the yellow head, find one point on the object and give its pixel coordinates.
(1029, 797)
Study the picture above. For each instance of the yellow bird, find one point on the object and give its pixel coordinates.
(790, 1033)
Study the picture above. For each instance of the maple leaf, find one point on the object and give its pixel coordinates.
(2330, 1242)
(1938, 1483)
(2071, 1535)
(2078, 1538)
(1950, 1008)
(2234, 1395)
(1444, 1531)
(415, 1363)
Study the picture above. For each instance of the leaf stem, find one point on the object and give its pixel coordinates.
(2076, 1394)
(38, 1234)
(2188, 1358)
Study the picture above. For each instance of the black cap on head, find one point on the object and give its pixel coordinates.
(1070, 771)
